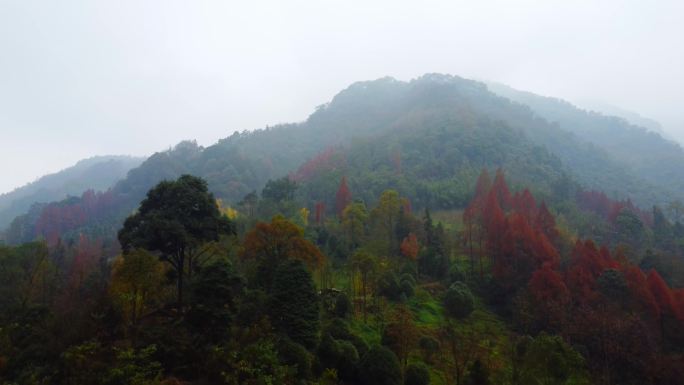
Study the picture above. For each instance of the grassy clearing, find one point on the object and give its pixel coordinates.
(428, 310)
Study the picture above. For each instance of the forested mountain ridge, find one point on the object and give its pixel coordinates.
(97, 173)
(407, 233)
(377, 127)
(644, 153)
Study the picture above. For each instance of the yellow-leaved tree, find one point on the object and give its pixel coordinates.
(137, 286)
(228, 211)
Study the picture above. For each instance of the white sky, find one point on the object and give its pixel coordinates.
(82, 78)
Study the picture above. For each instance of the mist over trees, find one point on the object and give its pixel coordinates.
(423, 232)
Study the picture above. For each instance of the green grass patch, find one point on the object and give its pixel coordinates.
(367, 331)
(427, 309)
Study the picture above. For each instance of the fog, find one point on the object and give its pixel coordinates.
(81, 78)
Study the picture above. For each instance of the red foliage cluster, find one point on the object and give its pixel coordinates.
(519, 242)
(599, 203)
(410, 247)
(343, 197)
(591, 291)
(85, 260)
(58, 218)
(327, 160)
(319, 212)
(623, 317)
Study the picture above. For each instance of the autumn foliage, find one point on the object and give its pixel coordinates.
(59, 218)
(343, 197)
(327, 160)
(591, 296)
(278, 241)
(599, 203)
(410, 247)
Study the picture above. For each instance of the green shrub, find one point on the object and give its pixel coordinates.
(458, 300)
(417, 374)
(296, 355)
(380, 367)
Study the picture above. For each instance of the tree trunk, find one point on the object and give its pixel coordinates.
(363, 283)
(179, 282)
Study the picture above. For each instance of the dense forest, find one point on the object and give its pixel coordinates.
(423, 232)
(96, 173)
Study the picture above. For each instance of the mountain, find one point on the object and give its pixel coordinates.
(97, 173)
(427, 138)
(642, 153)
(630, 116)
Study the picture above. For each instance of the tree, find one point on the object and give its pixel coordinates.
(294, 306)
(417, 374)
(550, 295)
(662, 230)
(366, 264)
(270, 244)
(257, 363)
(629, 229)
(546, 223)
(482, 186)
(215, 294)
(85, 261)
(586, 265)
(343, 197)
(663, 298)
(24, 276)
(410, 247)
(401, 334)
(137, 284)
(279, 190)
(501, 191)
(612, 284)
(249, 203)
(380, 367)
(294, 354)
(474, 221)
(386, 214)
(548, 360)
(494, 225)
(460, 348)
(469, 221)
(478, 374)
(135, 367)
(175, 220)
(319, 212)
(433, 259)
(354, 219)
(458, 300)
(525, 204)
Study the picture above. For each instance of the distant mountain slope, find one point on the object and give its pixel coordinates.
(630, 116)
(645, 154)
(428, 138)
(97, 173)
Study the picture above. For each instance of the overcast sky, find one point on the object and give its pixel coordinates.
(81, 78)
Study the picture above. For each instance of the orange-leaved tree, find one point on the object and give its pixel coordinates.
(270, 244)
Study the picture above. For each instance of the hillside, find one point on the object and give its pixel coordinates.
(97, 173)
(428, 138)
(406, 233)
(643, 153)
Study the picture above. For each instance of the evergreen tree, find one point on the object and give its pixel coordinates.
(215, 293)
(294, 304)
(175, 220)
(458, 300)
(380, 367)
